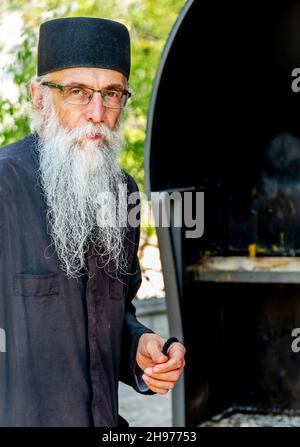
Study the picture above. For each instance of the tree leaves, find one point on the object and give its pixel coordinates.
(149, 23)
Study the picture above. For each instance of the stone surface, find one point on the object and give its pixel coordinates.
(144, 411)
(254, 420)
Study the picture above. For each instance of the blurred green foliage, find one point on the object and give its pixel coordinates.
(149, 23)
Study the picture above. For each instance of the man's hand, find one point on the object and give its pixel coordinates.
(161, 373)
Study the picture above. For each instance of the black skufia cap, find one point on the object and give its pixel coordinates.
(83, 42)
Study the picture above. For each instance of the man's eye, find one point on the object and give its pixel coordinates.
(77, 92)
(112, 94)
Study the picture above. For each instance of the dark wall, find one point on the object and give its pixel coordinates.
(227, 121)
(225, 92)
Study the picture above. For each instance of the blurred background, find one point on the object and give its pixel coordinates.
(149, 23)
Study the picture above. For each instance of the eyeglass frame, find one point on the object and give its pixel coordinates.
(62, 88)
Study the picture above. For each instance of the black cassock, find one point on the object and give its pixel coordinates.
(64, 343)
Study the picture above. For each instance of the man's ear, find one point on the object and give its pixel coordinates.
(36, 95)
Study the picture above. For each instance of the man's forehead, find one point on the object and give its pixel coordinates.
(89, 76)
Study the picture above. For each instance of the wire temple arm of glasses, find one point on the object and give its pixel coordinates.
(51, 84)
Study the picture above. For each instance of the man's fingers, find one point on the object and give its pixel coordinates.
(154, 350)
(177, 350)
(173, 375)
(159, 384)
(175, 362)
(158, 390)
(176, 354)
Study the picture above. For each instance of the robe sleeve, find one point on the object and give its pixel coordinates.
(130, 373)
(1, 220)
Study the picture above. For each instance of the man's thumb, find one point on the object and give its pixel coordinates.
(156, 354)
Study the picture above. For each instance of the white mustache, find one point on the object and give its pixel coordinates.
(91, 130)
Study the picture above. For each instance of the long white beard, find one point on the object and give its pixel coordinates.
(85, 192)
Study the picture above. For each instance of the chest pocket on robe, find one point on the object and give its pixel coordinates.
(36, 285)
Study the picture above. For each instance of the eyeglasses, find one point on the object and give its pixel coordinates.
(82, 96)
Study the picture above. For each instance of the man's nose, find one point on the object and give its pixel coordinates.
(95, 111)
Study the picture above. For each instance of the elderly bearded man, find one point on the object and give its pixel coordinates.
(68, 325)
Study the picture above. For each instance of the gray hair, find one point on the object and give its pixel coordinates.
(39, 79)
